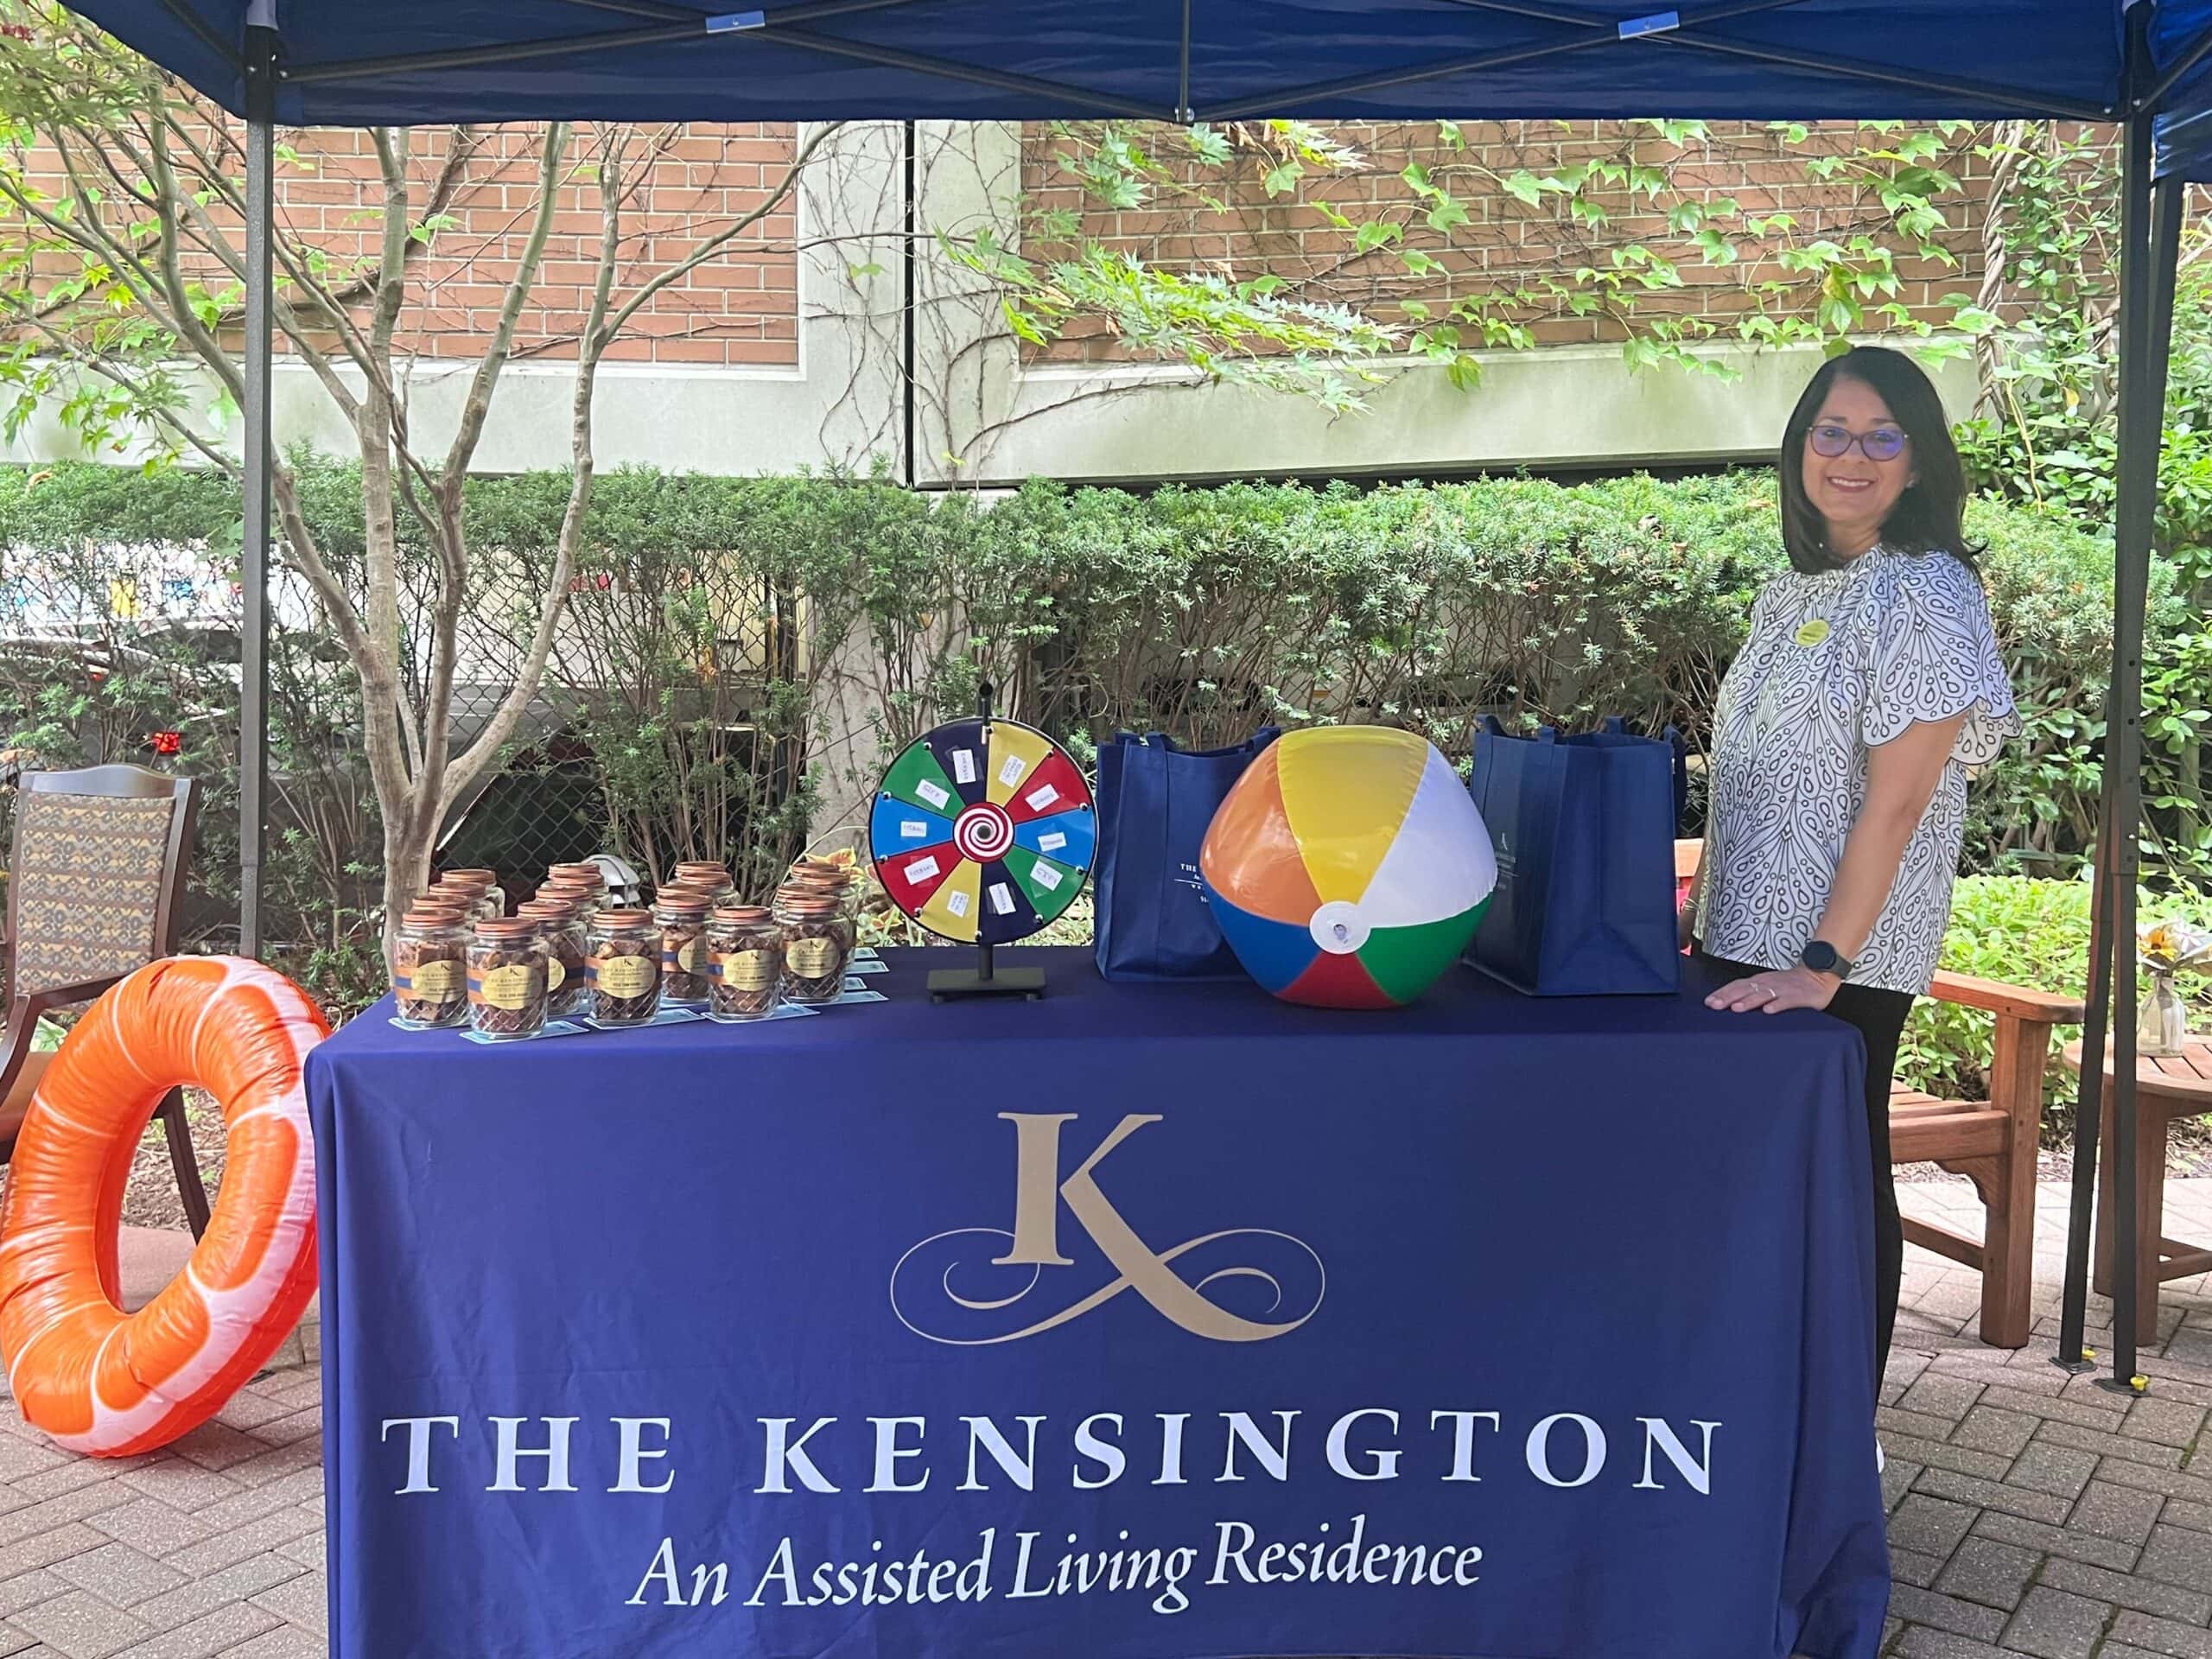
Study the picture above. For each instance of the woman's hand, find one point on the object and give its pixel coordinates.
(1786, 987)
(1685, 921)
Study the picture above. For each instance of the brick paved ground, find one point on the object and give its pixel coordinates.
(2030, 1512)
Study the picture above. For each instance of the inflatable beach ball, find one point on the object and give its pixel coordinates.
(1348, 868)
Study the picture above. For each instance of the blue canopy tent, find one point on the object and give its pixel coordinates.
(2145, 65)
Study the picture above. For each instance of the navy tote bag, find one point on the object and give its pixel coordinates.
(1155, 800)
(1584, 830)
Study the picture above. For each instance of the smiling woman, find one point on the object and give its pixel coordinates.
(1847, 729)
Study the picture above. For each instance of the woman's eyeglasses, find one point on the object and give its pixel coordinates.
(1882, 444)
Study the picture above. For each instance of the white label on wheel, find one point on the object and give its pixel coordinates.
(1010, 773)
(1042, 797)
(958, 903)
(913, 829)
(921, 870)
(1051, 843)
(1001, 901)
(1046, 877)
(963, 765)
(935, 794)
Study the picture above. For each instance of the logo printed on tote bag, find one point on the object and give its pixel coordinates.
(931, 1269)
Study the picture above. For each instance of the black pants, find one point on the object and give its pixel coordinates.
(1879, 1016)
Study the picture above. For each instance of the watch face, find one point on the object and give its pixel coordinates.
(1821, 957)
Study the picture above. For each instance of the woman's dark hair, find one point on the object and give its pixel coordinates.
(1926, 518)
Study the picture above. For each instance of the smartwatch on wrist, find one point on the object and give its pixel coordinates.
(1824, 958)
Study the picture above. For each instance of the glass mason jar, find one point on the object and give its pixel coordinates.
(2161, 1020)
(429, 968)
(747, 948)
(681, 915)
(704, 876)
(588, 877)
(483, 889)
(817, 944)
(566, 991)
(506, 978)
(586, 898)
(624, 967)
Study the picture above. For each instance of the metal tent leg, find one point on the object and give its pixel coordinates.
(2150, 237)
(253, 574)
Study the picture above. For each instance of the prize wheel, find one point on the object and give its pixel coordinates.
(984, 831)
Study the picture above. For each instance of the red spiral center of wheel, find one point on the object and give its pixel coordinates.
(983, 833)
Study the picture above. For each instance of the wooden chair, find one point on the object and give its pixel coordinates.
(1991, 1143)
(93, 891)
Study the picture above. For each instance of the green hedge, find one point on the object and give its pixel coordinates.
(1204, 613)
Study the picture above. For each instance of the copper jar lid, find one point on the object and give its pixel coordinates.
(507, 930)
(625, 918)
(741, 915)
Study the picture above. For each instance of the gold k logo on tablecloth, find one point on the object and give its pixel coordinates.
(1175, 1282)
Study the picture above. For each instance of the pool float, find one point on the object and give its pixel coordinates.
(96, 1379)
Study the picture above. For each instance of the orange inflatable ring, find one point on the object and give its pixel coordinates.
(114, 1384)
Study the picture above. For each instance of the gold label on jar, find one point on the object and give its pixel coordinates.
(624, 975)
(749, 970)
(556, 974)
(515, 987)
(431, 982)
(692, 957)
(812, 958)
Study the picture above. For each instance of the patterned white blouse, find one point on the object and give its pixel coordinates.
(1839, 663)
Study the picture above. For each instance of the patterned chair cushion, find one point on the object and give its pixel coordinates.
(88, 885)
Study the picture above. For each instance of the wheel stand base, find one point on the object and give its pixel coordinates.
(957, 985)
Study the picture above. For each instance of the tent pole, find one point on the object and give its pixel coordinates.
(2150, 237)
(253, 575)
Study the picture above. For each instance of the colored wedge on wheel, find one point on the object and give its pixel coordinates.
(982, 831)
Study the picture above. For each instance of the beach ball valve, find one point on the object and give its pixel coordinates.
(1348, 868)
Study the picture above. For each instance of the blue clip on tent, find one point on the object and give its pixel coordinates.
(2143, 65)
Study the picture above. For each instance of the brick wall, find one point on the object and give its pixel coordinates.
(740, 309)
(1506, 243)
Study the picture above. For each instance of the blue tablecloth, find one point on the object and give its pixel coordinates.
(1147, 1320)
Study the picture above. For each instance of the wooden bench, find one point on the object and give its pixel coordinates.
(1991, 1143)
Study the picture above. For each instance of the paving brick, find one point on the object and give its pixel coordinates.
(2120, 1513)
(1940, 1395)
(1917, 1606)
(1993, 1574)
(208, 1635)
(2095, 1412)
(1897, 1421)
(1938, 1454)
(1931, 1525)
(272, 1463)
(27, 1589)
(1897, 1476)
(2098, 1442)
(1920, 1642)
(62, 1478)
(2161, 1635)
(81, 1625)
(308, 1549)
(2058, 1470)
(119, 1574)
(285, 1641)
(2179, 1556)
(303, 1601)
(282, 1431)
(149, 1525)
(180, 1485)
(235, 1544)
(2065, 1541)
(2053, 1624)
(2169, 1422)
(218, 1446)
(1989, 1495)
(251, 1504)
(45, 1548)
(1987, 1428)
(1912, 1566)
(206, 1595)
(2180, 1512)
(41, 1518)
(2125, 1473)
(2144, 1595)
